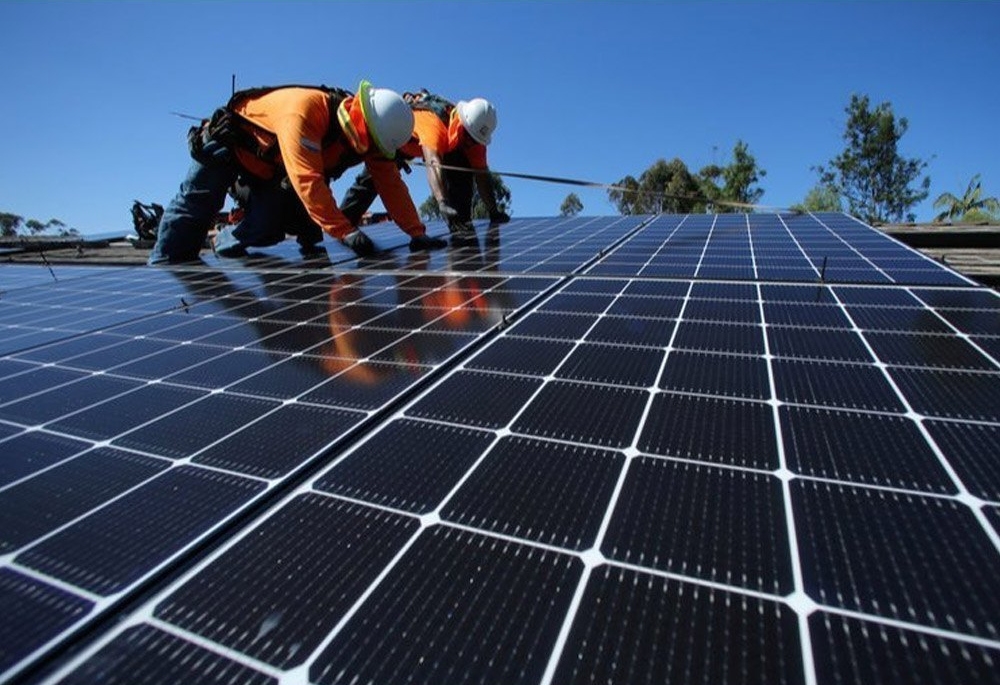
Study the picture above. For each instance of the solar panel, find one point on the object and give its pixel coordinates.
(734, 448)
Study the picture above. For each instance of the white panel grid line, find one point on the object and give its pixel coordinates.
(963, 492)
(935, 264)
(805, 639)
(954, 329)
(574, 606)
(852, 248)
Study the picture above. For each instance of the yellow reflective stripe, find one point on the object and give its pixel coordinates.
(364, 89)
(348, 128)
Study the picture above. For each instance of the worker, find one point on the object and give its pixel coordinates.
(453, 135)
(298, 137)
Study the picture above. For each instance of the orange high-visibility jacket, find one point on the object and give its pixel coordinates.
(442, 139)
(299, 118)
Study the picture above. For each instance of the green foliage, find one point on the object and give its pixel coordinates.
(9, 223)
(972, 207)
(429, 210)
(741, 176)
(663, 187)
(822, 198)
(670, 187)
(870, 173)
(571, 206)
(979, 216)
(500, 191)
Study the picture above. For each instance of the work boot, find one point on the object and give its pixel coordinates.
(308, 249)
(360, 243)
(425, 242)
(225, 244)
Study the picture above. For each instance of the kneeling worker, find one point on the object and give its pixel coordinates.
(307, 134)
(453, 135)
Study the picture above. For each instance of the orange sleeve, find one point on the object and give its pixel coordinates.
(300, 137)
(394, 193)
(431, 131)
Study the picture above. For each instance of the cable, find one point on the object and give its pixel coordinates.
(611, 186)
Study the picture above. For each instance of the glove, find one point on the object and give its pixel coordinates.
(499, 217)
(360, 243)
(447, 211)
(425, 242)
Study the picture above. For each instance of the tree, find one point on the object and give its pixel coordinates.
(663, 187)
(571, 206)
(821, 198)
(971, 207)
(870, 173)
(670, 186)
(740, 177)
(9, 223)
(500, 191)
(429, 210)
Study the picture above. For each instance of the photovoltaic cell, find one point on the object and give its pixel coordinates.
(861, 448)
(33, 451)
(611, 639)
(850, 650)
(834, 384)
(112, 548)
(951, 394)
(535, 490)
(195, 426)
(144, 655)
(851, 536)
(68, 490)
(479, 399)
(591, 414)
(544, 544)
(612, 364)
(479, 595)
(410, 465)
(722, 525)
(711, 429)
(972, 451)
(927, 351)
(327, 551)
(716, 374)
(35, 613)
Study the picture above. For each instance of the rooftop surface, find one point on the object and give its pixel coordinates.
(702, 449)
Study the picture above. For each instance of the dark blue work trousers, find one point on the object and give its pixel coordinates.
(189, 216)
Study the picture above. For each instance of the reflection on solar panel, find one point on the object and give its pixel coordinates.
(694, 449)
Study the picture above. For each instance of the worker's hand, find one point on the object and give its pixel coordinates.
(447, 211)
(499, 217)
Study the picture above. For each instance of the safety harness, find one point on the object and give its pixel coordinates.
(233, 130)
(429, 102)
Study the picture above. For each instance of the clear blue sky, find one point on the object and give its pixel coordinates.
(592, 90)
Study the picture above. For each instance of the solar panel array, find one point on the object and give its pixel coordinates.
(705, 449)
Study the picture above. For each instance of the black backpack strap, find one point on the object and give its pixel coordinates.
(429, 102)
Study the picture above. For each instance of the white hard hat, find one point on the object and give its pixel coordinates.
(389, 119)
(479, 118)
